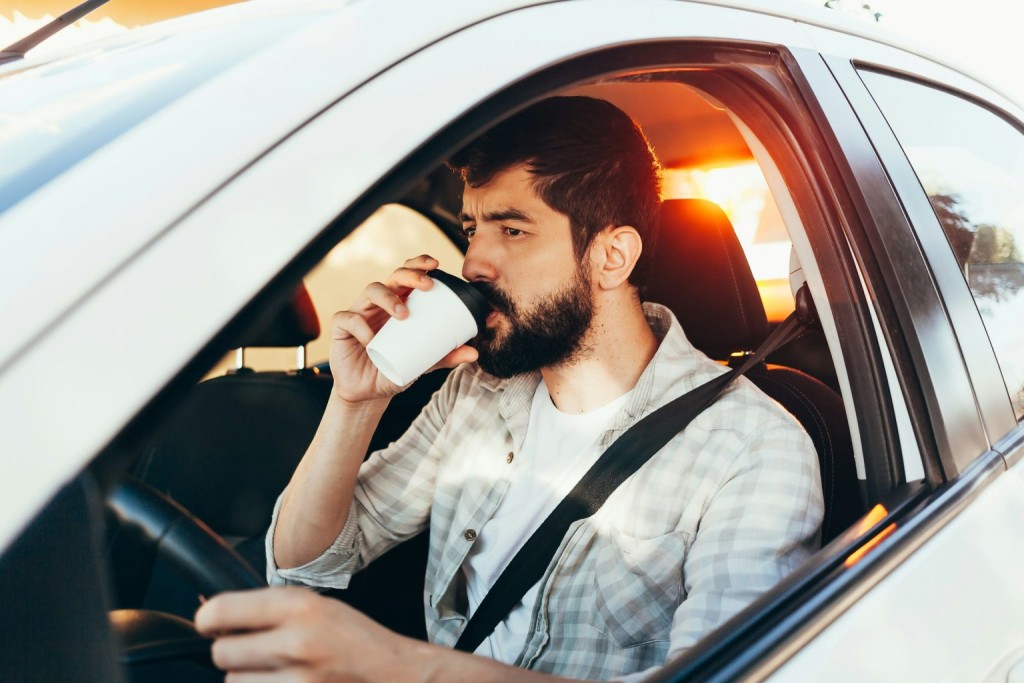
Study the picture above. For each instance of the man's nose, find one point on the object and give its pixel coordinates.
(480, 262)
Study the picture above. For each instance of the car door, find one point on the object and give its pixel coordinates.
(953, 152)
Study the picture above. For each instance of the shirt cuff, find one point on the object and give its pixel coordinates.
(332, 569)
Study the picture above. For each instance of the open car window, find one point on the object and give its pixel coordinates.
(698, 114)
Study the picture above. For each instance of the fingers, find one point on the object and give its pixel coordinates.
(413, 274)
(289, 646)
(279, 676)
(251, 610)
(423, 262)
(390, 296)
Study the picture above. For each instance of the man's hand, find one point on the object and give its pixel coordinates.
(292, 634)
(285, 634)
(356, 378)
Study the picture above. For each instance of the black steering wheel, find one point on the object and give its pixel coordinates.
(191, 547)
(156, 643)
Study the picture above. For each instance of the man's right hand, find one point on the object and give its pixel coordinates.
(356, 378)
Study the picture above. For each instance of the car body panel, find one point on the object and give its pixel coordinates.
(159, 196)
(931, 619)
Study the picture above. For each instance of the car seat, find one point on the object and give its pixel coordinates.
(700, 272)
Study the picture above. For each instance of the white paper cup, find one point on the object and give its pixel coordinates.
(440, 320)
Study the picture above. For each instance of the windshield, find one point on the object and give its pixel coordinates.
(56, 113)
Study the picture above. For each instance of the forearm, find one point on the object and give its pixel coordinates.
(317, 500)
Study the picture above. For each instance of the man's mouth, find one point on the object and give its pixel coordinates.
(500, 305)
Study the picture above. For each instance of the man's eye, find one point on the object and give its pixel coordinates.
(468, 232)
(513, 232)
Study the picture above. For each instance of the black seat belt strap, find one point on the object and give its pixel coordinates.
(624, 457)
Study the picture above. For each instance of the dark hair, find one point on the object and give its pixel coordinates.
(590, 161)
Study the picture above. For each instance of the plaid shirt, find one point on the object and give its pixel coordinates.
(718, 516)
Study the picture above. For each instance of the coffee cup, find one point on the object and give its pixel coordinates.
(440, 320)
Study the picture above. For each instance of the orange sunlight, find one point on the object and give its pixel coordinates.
(874, 516)
(742, 192)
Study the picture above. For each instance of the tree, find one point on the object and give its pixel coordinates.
(955, 224)
(993, 244)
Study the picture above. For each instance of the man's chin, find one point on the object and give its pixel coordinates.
(499, 371)
(497, 361)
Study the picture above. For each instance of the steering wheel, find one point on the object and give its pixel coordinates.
(191, 547)
(194, 550)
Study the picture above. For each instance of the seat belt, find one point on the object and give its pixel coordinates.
(624, 457)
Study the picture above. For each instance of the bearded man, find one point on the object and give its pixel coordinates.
(560, 209)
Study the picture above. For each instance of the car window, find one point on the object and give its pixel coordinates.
(369, 253)
(970, 162)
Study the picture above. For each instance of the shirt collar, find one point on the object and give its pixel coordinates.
(653, 387)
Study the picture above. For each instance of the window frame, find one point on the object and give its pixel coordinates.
(813, 593)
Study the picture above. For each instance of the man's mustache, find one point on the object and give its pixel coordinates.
(499, 300)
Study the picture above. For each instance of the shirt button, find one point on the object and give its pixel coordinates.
(509, 457)
(470, 535)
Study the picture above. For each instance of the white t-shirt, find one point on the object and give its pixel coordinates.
(558, 450)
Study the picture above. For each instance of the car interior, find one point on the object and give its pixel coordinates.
(726, 263)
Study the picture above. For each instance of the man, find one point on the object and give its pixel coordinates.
(559, 203)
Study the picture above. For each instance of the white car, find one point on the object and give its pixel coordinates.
(164, 192)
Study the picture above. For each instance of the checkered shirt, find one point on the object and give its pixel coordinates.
(724, 511)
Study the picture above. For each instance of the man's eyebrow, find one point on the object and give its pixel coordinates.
(499, 216)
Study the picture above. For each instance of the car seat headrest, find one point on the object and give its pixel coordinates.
(700, 272)
(294, 324)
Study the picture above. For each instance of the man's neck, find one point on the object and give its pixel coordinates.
(618, 347)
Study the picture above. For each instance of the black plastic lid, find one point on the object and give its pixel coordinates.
(474, 299)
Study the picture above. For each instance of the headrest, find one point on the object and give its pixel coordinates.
(294, 324)
(700, 272)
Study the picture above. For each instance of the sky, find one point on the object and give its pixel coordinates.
(981, 34)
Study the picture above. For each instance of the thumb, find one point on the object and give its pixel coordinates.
(463, 354)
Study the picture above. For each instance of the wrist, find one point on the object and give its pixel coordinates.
(358, 408)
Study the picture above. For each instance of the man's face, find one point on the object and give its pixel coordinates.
(521, 256)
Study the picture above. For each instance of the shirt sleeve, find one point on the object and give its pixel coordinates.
(392, 501)
(762, 522)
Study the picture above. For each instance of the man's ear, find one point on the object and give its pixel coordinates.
(615, 252)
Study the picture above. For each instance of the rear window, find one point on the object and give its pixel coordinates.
(56, 113)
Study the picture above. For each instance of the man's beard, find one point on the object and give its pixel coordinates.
(549, 334)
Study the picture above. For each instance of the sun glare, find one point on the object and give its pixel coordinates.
(742, 192)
